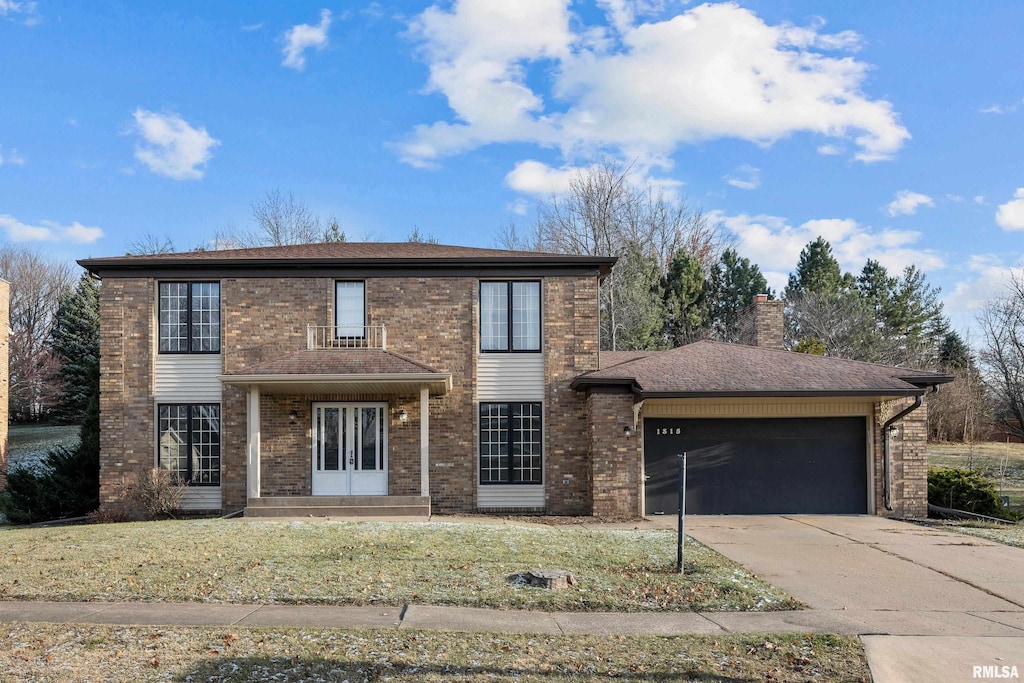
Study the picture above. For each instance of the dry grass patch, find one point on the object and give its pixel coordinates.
(44, 652)
(363, 563)
(1000, 533)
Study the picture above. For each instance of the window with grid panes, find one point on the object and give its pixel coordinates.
(510, 315)
(189, 317)
(188, 441)
(510, 443)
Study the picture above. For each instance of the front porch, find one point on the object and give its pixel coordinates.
(338, 432)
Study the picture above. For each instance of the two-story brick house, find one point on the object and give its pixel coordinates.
(402, 377)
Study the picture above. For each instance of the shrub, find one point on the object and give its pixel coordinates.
(962, 489)
(159, 491)
(65, 484)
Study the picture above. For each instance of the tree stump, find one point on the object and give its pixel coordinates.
(555, 579)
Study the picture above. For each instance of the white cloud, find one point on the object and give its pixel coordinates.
(302, 37)
(252, 27)
(519, 207)
(1010, 216)
(534, 177)
(171, 147)
(746, 178)
(48, 231)
(907, 203)
(829, 150)
(639, 89)
(775, 245)
(23, 10)
(979, 199)
(11, 156)
(987, 277)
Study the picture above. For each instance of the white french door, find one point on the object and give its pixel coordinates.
(350, 454)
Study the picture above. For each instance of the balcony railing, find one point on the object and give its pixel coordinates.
(346, 337)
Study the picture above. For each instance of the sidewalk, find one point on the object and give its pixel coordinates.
(847, 622)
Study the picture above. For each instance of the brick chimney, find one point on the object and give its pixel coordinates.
(761, 323)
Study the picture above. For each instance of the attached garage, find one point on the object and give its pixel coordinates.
(766, 431)
(738, 466)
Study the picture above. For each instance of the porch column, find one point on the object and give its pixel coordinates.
(424, 441)
(253, 442)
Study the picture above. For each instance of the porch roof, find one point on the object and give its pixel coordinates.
(342, 371)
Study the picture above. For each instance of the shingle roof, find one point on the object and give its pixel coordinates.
(348, 253)
(612, 358)
(341, 362)
(708, 368)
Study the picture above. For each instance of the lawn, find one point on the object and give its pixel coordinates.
(44, 652)
(372, 563)
(1000, 533)
(29, 444)
(1003, 463)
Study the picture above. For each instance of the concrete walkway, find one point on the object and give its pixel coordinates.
(935, 604)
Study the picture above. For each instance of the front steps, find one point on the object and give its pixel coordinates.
(339, 506)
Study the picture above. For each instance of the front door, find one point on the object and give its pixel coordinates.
(350, 449)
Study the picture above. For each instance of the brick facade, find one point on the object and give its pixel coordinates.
(908, 449)
(762, 323)
(616, 458)
(432, 320)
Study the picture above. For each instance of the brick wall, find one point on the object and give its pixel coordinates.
(5, 387)
(615, 459)
(431, 320)
(570, 348)
(908, 451)
(127, 435)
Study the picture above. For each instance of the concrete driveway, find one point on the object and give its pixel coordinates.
(930, 604)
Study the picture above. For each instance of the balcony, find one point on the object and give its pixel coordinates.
(346, 337)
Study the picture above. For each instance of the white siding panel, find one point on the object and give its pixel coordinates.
(511, 496)
(510, 377)
(201, 498)
(188, 378)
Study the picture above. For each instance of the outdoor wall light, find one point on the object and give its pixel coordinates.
(403, 416)
(293, 416)
(628, 431)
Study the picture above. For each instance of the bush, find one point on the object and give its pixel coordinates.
(159, 491)
(65, 484)
(961, 489)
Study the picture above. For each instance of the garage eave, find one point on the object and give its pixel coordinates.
(880, 394)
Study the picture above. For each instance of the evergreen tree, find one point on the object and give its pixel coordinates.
(640, 317)
(817, 272)
(684, 297)
(75, 342)
(877, 287)
(732, 286)
(954, 352)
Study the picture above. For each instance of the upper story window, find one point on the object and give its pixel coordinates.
(189, 317)
(350, 310)
(510, 316)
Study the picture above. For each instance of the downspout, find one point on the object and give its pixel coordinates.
(886, 459)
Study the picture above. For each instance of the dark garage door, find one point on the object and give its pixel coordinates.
(757, 466)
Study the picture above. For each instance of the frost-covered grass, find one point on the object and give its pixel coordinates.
(364, 563)
(1000, 533)
(37, 652)
(29, 444)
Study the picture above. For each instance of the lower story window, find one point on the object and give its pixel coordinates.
(188, 441)
(510, 443)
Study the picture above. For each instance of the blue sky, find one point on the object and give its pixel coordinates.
(892, 129)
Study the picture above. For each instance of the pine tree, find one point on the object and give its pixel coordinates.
(684, 296)
(732, 286)
(817, 272)
(75, 341)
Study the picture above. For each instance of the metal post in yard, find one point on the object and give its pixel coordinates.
(682, 512)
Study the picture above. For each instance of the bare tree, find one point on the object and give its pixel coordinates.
(37, 286)
(1002, 355)
(280, 219)
(148, 244)
(606, 212)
